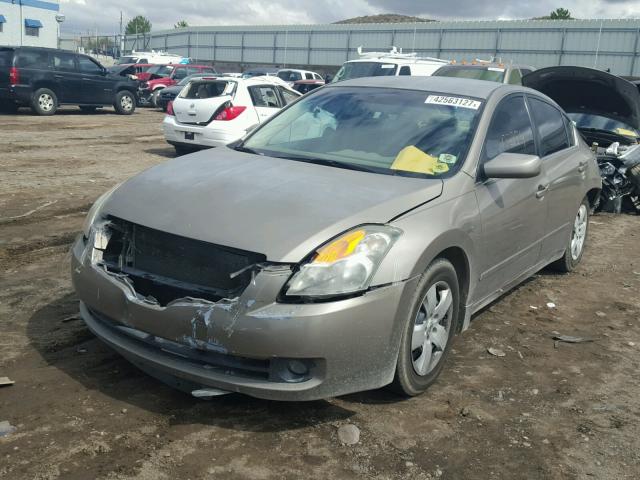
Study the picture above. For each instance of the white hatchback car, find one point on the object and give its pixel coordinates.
(215, 111)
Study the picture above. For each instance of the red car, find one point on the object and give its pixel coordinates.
(162, 76)
(137, 71)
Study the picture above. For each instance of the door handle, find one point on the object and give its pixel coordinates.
(58, 77)
(542, 189)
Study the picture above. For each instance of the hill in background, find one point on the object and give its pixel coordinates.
(386, 18)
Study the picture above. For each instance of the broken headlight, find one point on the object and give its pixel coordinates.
(344, 265)
(95, 209)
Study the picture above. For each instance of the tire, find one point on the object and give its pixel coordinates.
(416, 370)
(44, 102)
(125, 102)
(88, 109)
(577, 241)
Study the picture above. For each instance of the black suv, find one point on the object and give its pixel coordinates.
(44, 78)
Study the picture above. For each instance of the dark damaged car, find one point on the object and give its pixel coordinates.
(606, 110)
(342, 244)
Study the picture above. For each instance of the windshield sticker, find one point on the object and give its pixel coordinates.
(412, 159)
(494, 69)
(447, 158)
(387, 66)
(453, 101)
(625, 132)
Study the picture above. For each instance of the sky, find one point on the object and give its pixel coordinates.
(84, 16)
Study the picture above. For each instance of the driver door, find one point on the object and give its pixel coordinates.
(513, 211)
(97, 87)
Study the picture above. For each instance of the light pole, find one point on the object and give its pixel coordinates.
(59, 19)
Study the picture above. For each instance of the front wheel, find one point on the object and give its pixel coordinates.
(429, 330)
(44, 102)
(125, 103)
(575, 246)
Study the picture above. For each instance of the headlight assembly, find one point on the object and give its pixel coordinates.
(95, 209)
(344, 265)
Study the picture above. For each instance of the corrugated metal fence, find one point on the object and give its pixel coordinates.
(603, 44)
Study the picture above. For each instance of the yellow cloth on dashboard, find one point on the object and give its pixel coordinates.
(412, 159)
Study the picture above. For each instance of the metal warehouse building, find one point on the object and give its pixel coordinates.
(29, 22)
(603, 44)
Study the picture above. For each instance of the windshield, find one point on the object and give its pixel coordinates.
(492, 74)
(201, 89)
(375, 129)
(365, 69)
(586, 120)
(123, 60)
(289, 75)
(161, 70)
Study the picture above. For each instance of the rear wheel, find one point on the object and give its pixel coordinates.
(575, 247)
(429, 330)
(125, 103)
(44, 102)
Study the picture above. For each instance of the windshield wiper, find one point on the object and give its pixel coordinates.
(242, 148)
(332, 163)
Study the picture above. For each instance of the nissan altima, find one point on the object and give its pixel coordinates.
(342, 244)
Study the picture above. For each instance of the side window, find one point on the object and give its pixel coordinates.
(287, 96)
(86, 65)
(308, 76)
(405, 70)
(317, 76)
(264, 96)
(64, 62)
(180, 73)
(551, 127)
(510, 129)
(143, 60)
(32, 59)
(515, 77)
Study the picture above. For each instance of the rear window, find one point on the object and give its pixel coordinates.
(289, 76)
(6, 58)
(365, 69)
(491, 74)
(32, 59)
(201, 89)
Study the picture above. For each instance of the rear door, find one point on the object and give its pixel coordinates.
(265, 100)
(201, 99)
(512, 211)
(97, 88)
(67, 77)
(565, 169)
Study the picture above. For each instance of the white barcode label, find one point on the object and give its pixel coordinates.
(453, 101)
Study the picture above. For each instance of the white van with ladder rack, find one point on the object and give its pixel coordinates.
(392, 63)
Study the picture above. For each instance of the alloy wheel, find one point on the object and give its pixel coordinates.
(431, 328)
(579, 233)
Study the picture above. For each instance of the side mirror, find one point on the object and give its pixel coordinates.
(513, 165)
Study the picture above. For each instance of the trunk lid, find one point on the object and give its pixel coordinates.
(588, 91)
(201, 99)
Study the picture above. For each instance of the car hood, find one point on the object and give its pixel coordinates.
(281, 208)
(585, 90)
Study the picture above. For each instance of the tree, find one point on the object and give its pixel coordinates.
(560, 14)
(138, 24)
(181, 24)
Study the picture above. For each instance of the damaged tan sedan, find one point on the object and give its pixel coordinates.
(340, 246)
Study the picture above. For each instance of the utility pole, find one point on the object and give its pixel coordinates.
(121, 46)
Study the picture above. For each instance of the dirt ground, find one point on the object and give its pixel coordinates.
(543, 411)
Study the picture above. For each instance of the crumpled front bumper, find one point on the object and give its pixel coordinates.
(248, 344)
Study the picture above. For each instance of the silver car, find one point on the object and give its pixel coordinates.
(340, 246)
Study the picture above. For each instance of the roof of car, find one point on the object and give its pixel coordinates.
(449, 85)
(488, 65)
